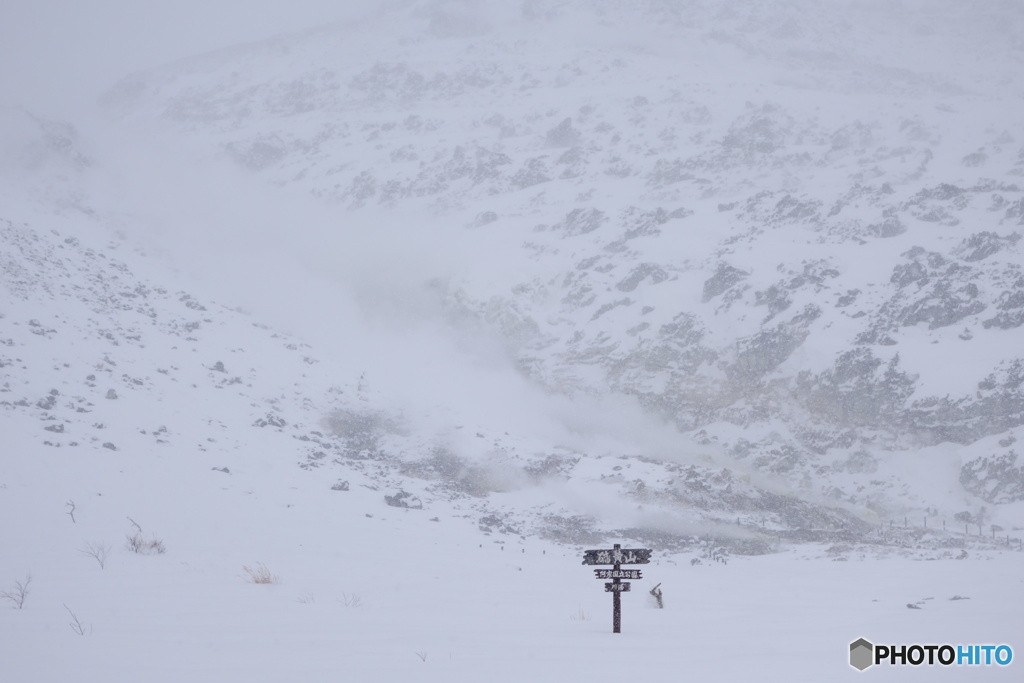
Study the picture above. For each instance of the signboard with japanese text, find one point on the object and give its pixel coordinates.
(617, 556)
(618, 574)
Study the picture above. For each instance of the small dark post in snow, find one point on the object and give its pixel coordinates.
(617, 556)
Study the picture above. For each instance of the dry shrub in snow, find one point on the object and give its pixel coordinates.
(261, 574)
(350, 600)
(137, 543)
(97, 551)
(16, 596)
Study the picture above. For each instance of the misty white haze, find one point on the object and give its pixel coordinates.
(60, 55)
(401, 306)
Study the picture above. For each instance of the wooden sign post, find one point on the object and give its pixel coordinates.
(617, 556)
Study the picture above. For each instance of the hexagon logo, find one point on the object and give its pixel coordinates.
(862, 654)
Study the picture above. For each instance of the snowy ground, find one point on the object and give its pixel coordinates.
(370, 592)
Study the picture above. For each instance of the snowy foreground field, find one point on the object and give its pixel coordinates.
(362, 591)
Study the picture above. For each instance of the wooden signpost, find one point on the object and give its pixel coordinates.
(616, 557)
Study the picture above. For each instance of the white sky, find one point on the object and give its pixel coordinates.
(57, 55)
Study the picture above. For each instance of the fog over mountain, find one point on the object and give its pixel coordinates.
(332, 337)
(670, 270)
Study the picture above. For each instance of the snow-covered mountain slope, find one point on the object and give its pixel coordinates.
(773, 226)
(581, 266)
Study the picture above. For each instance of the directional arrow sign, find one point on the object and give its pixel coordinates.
(617, 574)
(617, 587)
(617, 556)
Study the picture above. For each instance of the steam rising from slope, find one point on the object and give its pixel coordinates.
(371, 289)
